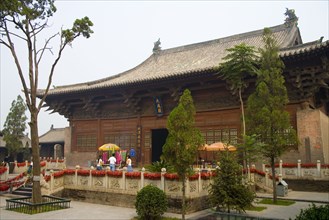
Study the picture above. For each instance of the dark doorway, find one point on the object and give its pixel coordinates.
(159, 137)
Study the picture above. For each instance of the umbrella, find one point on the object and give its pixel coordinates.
(219, 146)
(109, 147)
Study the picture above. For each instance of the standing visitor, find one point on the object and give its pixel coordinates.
(112, 162)
(129, 167)
(29, 170)
(100, 163)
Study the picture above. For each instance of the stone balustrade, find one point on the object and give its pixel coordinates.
(126, 182)
(299, 170)
(45, 164)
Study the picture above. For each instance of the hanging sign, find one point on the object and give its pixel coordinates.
(132, 152)
(158, 106)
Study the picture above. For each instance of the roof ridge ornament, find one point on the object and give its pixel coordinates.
(291, 18)
(157, 47)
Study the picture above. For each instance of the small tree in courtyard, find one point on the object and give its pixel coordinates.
(151, 203)
(183, 140)
(266, 115)
(228, 191)
(14, 127)
(24, 21)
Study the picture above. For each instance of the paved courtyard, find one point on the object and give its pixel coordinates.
(87, 211)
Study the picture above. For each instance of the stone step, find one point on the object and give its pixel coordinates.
(23, 191)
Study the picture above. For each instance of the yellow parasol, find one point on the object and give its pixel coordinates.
(219, 146)
(109, 147)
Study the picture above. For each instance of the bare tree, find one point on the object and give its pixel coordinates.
(24, 20)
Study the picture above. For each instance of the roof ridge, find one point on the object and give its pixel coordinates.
(230, 38)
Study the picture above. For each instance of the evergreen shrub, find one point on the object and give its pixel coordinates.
(151, 203)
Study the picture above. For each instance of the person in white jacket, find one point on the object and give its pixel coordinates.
(112, 161)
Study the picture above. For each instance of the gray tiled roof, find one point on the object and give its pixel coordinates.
(54, 135)
(186, 59)
(303, 48)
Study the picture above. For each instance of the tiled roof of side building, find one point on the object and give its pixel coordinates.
(52, 136)
(184, 60)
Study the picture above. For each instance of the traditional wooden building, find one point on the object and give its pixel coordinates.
(131, 108)
(52, 143)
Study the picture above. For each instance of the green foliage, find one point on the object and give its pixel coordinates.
(314, 213)
(252, 147)
(266, 115)
(239, 65)
(151, 202)
(15, 126)
(28, 9)
(80, 27)
(183, 139)
(279, 202)
(256, 208)
(158, 165)
(266, 106)
(228, 190)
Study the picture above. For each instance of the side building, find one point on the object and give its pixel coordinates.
(131, 108)
(52, 143)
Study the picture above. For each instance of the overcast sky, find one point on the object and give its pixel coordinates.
(125, 32)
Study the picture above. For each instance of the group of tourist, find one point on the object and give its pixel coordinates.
(112, 161)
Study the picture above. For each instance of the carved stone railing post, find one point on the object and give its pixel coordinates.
(263, 167)
(142, 178)
(49, 164)
(76, 175)
(280, 177)
(124, 171)
(266, 177)
(199, 180)
(252, 175)
(248, 173)
(7, 172)
(299, 168)
(57, 165)
(107, 178)
(280, 167)
(64, 161)
(318, 168)
(90, 179)
(163, 172)
(51, 180)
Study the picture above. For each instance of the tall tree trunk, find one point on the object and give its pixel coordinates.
(183, 197)
(273, 180)
(245, 160)
(36, 189)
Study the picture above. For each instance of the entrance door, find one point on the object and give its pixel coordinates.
(159, 137)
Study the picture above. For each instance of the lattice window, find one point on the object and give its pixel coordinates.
(86, 142)
(227, 135)
(125, 141)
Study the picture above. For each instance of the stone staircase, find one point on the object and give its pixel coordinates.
(23, 190)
